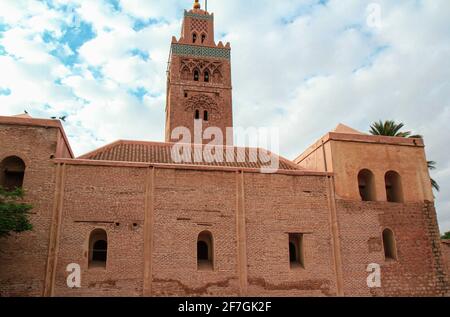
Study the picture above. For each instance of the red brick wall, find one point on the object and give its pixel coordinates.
(221, 114)
(102, 197)
(446, 253)
(23, 257)
(416, 272)
(249, 216)
(277, 205)
(185, 204)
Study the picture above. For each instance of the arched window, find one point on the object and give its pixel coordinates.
(98, 248)
(185, 73)
(12, 173)
(389, 245)
(197, 114)
(205, 115)
(366, 183)
(203, 38)
(194, 37)
(205, 256)
(296, 255)
(207, 77)
(196, 75)
(394, 190)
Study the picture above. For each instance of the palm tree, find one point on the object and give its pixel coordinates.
(391, 128)
(432, 166)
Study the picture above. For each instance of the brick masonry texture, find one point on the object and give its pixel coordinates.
(446, 253)
(23, 256)
(249, 215)
(154, 210)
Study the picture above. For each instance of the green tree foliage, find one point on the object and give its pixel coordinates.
(446, 236)
(432, 166)
(13, 213)
(391, 128)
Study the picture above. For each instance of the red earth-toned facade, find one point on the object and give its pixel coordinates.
(140, 223)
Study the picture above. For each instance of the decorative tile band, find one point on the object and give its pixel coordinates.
(198, 16)
(191, 50)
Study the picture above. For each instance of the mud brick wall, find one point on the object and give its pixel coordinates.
(418, 270)
(23, 257)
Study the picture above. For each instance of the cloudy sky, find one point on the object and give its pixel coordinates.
(301, 65)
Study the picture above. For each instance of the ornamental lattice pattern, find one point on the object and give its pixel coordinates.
(203, 102)
(200, 26)
(201, 51)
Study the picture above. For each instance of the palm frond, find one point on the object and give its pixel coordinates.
(435, 185)
(431, 165)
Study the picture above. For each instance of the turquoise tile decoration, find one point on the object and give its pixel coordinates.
(201, 51)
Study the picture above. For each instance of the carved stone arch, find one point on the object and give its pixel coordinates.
(202, 64)
(196, 73)
(185, 72)
(203, 102)
(206, 74)
(203, 37)
(217, 76)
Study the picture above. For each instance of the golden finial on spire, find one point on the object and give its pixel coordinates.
(196, 4)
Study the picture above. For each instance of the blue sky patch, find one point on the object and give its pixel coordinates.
(139, 93)
(76, 36)
(66, 59)
(96, 72)
(140, 24)
(115, 4)
(140, 53)
(5, 91)
(4, 27)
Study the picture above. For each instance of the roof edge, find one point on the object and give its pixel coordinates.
(360, 138)
(122, 141)
(87, 162)
(44, 123)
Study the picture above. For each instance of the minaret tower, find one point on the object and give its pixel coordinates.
(199, 79)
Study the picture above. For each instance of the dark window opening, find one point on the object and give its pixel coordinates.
(292, 253)
(366, 183)
(296, 252)
(205, 257)
(98, 249)
(12, 173)
(389, 245)
(194, 37)
(197, 115)
(206, 116)
(202, 251)
(394, 191)
(196, 75)
(203, 38)
(185, 95)
(207, 77)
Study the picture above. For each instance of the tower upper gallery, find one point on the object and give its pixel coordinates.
(199, 79)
